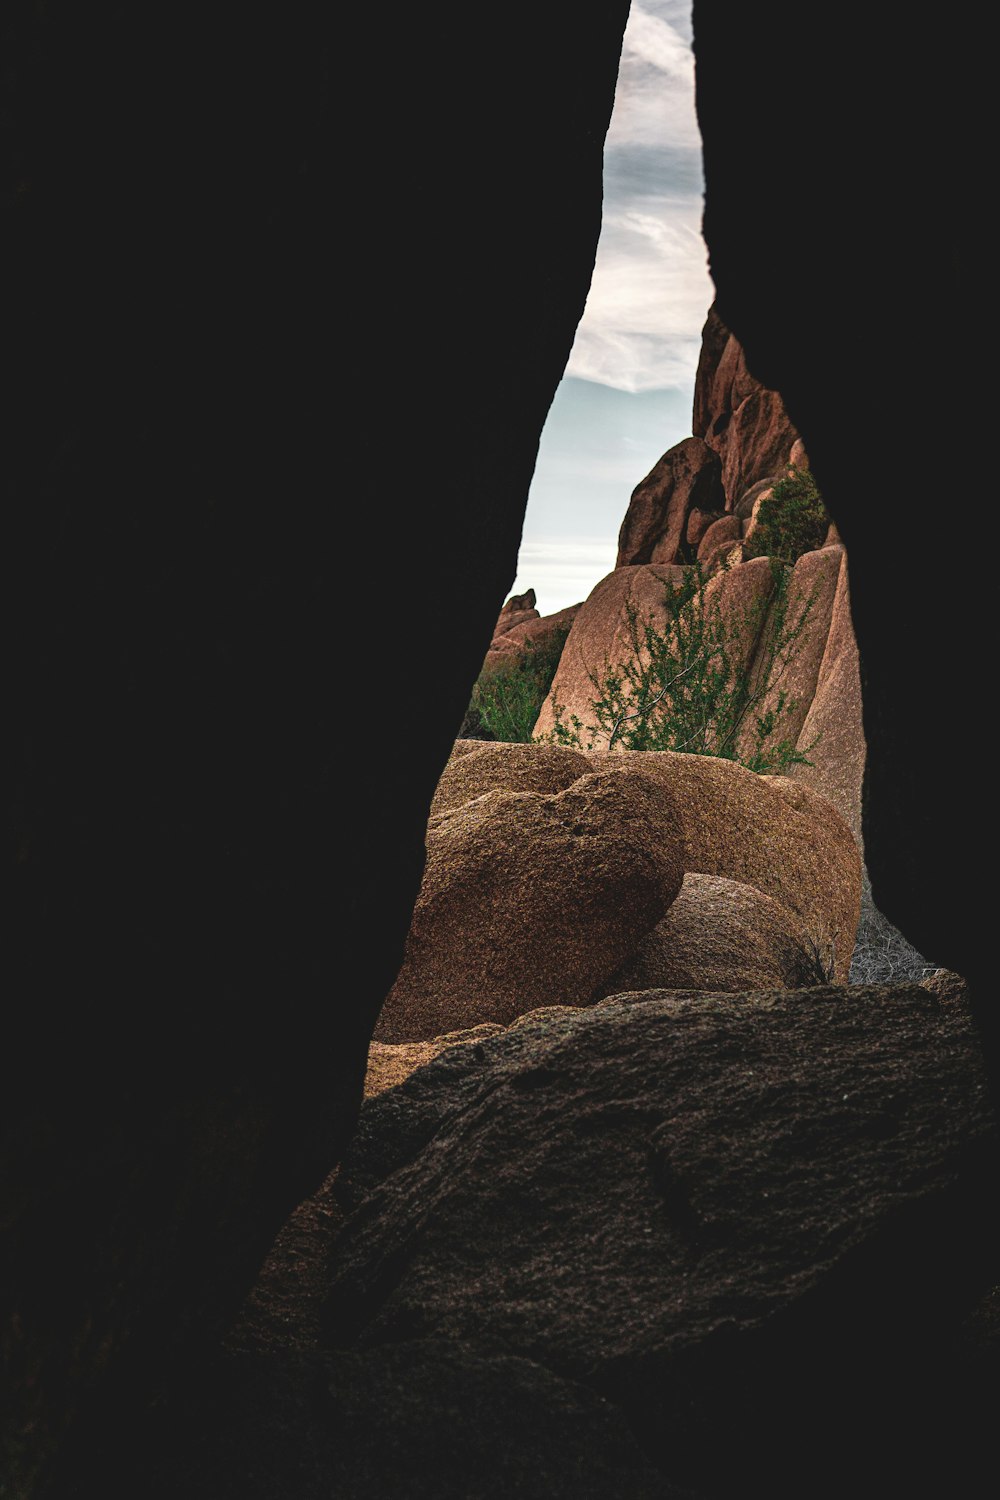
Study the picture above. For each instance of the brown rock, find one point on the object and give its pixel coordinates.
(519, 604)
(391, 1064)
(745, 506)
(698, 523)
(722, 381)
(813, 578)
(755, 442)
(777, 835)
(530, 900)
(834, 726)
(798, 456)
(725, 529)
(508, 768)
(600, 635)
(720, 935)
(687, 476)
(743, 421)
(725, 555)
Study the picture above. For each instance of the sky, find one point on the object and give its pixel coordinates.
(627, 393)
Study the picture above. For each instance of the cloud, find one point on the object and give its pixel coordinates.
(648, 298)
(651, 290)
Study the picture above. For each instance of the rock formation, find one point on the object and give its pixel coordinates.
(531, 899)
(551, 877)
(750, 1222)
(744, 444)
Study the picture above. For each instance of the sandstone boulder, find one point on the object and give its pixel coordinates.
(599, 635)
(725, 529)
(720, 935)
(686, 477)
(741, 420)
(769, 832)
(530, 900)
(833, 729)
(752, 1222)
(508, 768)
(698, 523)
(518, 609)
(532, 633)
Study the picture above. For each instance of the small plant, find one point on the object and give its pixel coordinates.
(683, 685)
(791, 520)
(506, 699)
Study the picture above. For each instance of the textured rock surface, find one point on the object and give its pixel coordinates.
(530, 900)
(812, 586)
(508, 768)
(745, 1219)
(832, 733)
(686, 477)
(537, 633)
(736, 416)
(600, 634)
(389, 1064)
(768, 832)
(719, 935)
(725, 529)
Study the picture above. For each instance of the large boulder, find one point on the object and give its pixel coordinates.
(687, 477)
(751, 1221)
(768, 832)
(530, 899)
(600, 635)
(508, 768)
(720, 935)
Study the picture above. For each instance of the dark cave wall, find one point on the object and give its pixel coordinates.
(847, 267)
(288, 299)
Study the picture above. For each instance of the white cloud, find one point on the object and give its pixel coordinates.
(563, 572)
(648, 298)
(651, 289)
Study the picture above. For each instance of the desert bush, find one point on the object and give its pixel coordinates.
(791, 520)
(683, 686)
(507, 698)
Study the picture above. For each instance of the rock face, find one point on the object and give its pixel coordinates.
(720, 935)
(686, 478)
(599, 634)
(534, 632)
(742, 421)
(530, 900)
(508, 768)
(770, 833)
(746, 1220)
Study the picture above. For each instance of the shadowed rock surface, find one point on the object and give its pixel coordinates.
(687, 478)
(748, 1220)
(530, 900)
(719, 935)
(768, 832)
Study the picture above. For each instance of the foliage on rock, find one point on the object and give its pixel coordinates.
(791, 520)
(684, 686)
(506, 698)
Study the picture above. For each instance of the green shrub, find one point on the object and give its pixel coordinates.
(791, 520)
(507, 699)
(683, 686)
